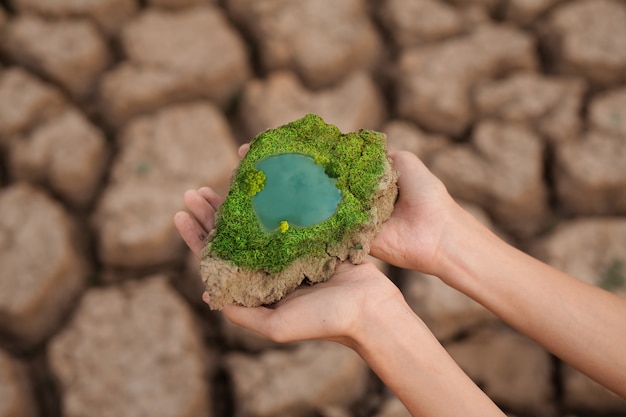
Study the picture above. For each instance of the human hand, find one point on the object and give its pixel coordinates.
(422, 217)
(332, 310)
(194, 227)
(412, 238)
(336, 310)
(360, 308)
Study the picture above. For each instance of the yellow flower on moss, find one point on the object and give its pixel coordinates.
(283, 226)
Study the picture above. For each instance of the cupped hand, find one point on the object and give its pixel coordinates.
(194, 226)
(334, 310)
(414, 235)
(410, 239)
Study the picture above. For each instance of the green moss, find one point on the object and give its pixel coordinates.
(356, 160)
(320, 159)
(253, 181)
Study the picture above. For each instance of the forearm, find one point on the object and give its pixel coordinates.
(580, 323)
(408, 358)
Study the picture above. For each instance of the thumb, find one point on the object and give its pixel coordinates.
(413, 175)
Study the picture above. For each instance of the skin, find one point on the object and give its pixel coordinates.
(429, 232)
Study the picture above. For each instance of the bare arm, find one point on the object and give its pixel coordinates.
(582, 324)
(360, 308)
(403, 352)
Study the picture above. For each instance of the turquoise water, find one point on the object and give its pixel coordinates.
(296, 190)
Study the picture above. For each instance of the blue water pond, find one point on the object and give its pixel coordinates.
(297, 190)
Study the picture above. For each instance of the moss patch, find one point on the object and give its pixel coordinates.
(253, 182)
(356, 160)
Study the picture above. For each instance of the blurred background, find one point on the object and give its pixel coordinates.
(111, 109)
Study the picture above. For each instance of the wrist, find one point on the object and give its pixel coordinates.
(388, 333)
(400, 348)
(466, 250)
(381, 322)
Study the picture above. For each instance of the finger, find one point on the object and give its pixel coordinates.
(251, 318)
(211, 196)
(415, 177)
(200, 208)
(243, 150)
(407, 164)
(256, 319)
(191, 232)
(206, 297)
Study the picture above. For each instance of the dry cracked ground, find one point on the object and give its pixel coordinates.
(111, 109)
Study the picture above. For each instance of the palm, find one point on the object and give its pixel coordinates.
(411, 237)
(325, 311)
(332, 310)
